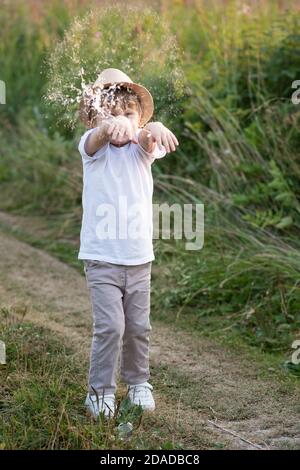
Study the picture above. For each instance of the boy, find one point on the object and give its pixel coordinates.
(117, 156)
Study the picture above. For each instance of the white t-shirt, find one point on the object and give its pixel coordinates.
(117, 194)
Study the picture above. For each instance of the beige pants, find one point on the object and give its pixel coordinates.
(120, 298)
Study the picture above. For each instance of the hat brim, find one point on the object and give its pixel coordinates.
(144, 95)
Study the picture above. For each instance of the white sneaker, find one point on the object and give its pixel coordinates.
(141, 394)
(96, 405)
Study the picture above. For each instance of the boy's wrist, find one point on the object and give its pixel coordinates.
(145, 139)
(102, 129)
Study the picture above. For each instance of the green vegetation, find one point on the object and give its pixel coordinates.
(39, 392)
(239, 139)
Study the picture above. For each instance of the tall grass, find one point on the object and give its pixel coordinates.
(241, 137)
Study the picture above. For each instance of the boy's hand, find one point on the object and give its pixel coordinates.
(162, 135)
(119, 128)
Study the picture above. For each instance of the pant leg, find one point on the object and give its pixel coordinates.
(106, 284)
(134, 367)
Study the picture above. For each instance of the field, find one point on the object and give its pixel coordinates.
(224, 86)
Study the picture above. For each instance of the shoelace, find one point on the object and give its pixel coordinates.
(102, 399)
(141, 391)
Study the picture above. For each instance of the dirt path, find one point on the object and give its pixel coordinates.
(196, 380)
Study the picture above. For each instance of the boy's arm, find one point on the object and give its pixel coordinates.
(157, 140)
(97, 139)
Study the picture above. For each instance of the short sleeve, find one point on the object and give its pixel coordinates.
(81, 148)
(157, 152)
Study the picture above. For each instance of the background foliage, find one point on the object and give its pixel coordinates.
(221, 77)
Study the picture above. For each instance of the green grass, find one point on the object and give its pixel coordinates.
(44, 386)
(42, 398)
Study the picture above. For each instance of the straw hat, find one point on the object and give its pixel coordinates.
(112, 77)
